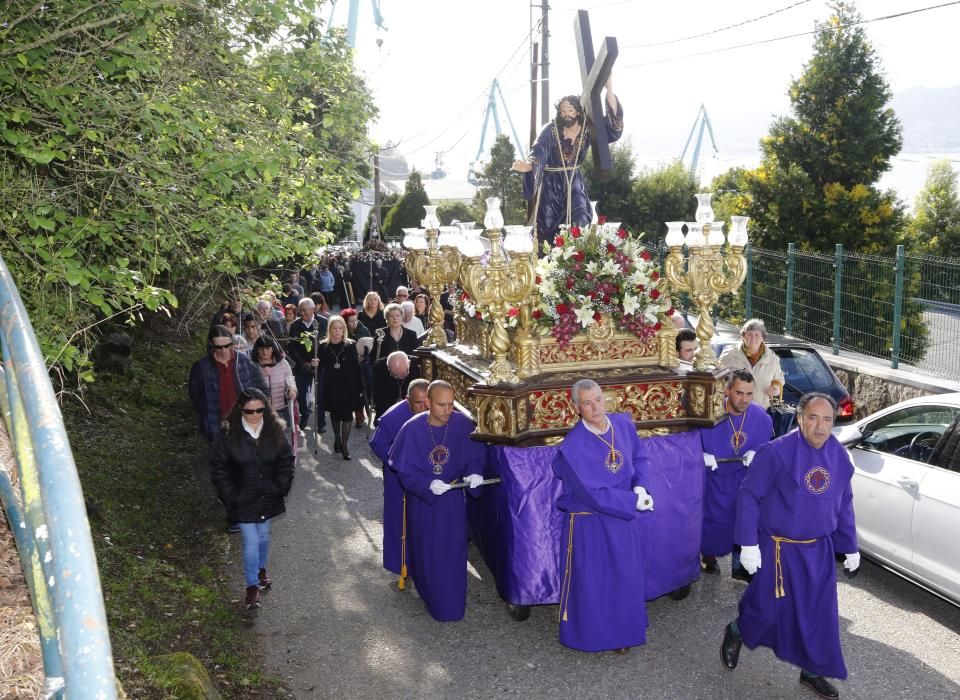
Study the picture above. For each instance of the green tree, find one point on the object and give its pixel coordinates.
(613, 191)
(408, 211)
(146, 145)
(816, 184)
(456, 211)
(386, 202)
(497, 180)
(936, 215)
(664, 193)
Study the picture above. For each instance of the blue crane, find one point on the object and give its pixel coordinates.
(703, 119)
(492, 108)
(352, 16)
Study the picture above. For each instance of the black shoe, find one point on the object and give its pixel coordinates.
(820, 685)
(709, 565)
(252, 599)
(730, 649)
(741, 574)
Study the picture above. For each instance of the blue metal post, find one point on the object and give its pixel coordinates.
(74, 588)
(748, 284)
(788, 315)
(897, 308)
(837, 290)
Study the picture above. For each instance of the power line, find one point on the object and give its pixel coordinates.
(790, 36)
(473, 102)
(716, 31)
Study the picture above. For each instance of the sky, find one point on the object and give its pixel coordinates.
(432, 73)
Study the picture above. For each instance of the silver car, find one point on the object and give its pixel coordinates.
(906, 489)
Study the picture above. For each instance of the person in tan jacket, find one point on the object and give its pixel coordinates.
(753, 355)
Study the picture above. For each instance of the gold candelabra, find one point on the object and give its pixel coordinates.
(705, 272)
(507, 278)
(433, 262)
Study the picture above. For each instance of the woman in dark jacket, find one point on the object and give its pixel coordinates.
(342, 381)
(394, 336)
(251, 465)
(371, 315)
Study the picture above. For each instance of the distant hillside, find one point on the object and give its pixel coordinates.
(929, 118)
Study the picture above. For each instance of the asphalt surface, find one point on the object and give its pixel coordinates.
(334, 624)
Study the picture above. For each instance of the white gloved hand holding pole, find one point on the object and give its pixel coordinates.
(748, 457)
(473, 480)
(710, 461)
(852, 562)
(750, 558)
(438, 488)
(644, 499)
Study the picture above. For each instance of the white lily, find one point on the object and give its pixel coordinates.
(610, 268)
(592, 267)
(630, 303)
(548, 288)
(584, 315)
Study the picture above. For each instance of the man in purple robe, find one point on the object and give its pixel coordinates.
(599, 462)
(393, 497)
(432, 452)
(552, 176)
(795, 509)
(728, 449)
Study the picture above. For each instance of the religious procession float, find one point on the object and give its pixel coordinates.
(594, 305)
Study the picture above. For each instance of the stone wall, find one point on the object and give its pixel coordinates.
(875, 386)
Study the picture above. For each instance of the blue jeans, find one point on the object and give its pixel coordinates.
(256, 549)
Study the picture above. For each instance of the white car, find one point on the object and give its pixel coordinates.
(906, 489)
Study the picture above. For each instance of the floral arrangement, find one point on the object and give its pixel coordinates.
(595, 272)
(375, 249)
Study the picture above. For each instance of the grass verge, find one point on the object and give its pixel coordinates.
(159, 537)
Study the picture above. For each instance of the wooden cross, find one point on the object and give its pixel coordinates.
(593, 74)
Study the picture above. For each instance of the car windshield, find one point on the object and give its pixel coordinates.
(804, 370)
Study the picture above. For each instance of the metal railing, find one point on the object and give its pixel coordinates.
(48, 517)
(903, 309)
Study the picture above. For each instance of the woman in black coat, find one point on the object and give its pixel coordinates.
(394, 337)
(342, 381)
(251, 465)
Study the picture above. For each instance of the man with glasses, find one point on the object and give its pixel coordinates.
(218, 378)
(402, 294)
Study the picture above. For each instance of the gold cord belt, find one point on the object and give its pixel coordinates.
(561, 169)
(778, 589)
(401, 583)
(565, 588)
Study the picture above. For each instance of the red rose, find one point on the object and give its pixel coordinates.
(579, 256)
(657, 326)
(592, 294)
(575, 232)
(537, 313)
(513, 312)
(597, 316)
(611, 248)
(645, 255)
(654, 275)
(561, 309)
(601, 219)
(558, 241)
(654, 293)
(641, 288)
(606, 298)
(539, 281)
(569, 282)
(671, 311)
(478, 314)
(589, 276)
(622, 233)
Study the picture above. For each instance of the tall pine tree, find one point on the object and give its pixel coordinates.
(497, 180)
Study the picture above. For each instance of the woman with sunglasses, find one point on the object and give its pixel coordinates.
(251, 465)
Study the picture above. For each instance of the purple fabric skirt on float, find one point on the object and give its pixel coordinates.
(519, 530)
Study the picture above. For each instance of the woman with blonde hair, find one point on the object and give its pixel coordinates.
(371, 315)
(342, 381)
(754, 356)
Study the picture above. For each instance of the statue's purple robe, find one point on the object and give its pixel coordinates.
(437, 525)
(601, 596)
(548, 188)
(722, 485)
(796, 491)
(380, 443)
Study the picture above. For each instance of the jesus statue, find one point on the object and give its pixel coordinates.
(552, 175)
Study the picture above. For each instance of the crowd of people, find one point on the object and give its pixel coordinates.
(781, 507)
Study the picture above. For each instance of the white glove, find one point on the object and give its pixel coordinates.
(852, 562)
(710, 461)
(748, 457)
(473, 480)
(644, 499)
(750, 558)
(438, 488)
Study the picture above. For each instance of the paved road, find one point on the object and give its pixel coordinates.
(335, 626)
